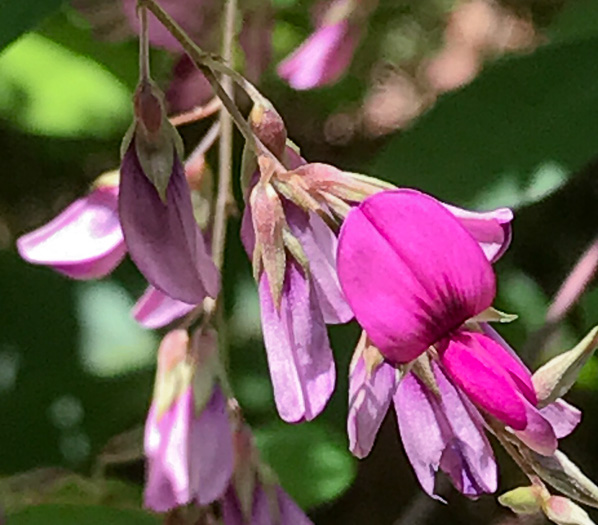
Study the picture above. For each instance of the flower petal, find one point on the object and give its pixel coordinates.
(163, 238)
(369, 399)
(155, 309)
(320, 245)
(471, 366)
(469, 459)
(410, 272)
(538, 433)
(211, 454)
(562, 416)
(492, 229)
(323, 57)
(84, 242)
(421, 433)
(299, 354)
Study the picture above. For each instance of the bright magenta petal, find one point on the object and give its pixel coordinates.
(410, 272)
(155, 309)
(487, 384)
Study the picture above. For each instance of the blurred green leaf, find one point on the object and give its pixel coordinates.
(50, 90)
(19, 16)
(81, 515)
(312, 460)
(578, 20)
(513, 136)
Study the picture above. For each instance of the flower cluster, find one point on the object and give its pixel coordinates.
(326, 246)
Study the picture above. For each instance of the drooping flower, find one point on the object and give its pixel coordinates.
(85, 241)
(413, 296)
(188, 435)
(254, 496)
(440, 279)
(325, 56)
(155, 207)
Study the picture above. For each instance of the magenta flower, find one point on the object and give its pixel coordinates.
(413, 276)
(324, 57)
(440, 279)
(84, 242)
(188, 435)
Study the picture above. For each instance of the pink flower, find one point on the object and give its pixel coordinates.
(188, 436)
(323, 57)
(84, 242)
(155, 309)
(413, 275)
(296, 308)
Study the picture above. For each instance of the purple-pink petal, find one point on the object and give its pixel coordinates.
(369, 399)
(84, 242)
(410, 272)
(492, 229)
(323, 57)
(155, 309)
(472, 367)
(190, 456)
(444, 432)
(538, 434)
(163, 238)
(299, 354)
(320, 246)
(562, 416)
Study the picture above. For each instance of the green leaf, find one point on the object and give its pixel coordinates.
(50, 90)
(80, 515)
(514, 135)
(19, 16)
(312, 460)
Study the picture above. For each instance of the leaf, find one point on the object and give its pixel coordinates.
(80, 515)
(311, 460)
(19, 16)
(514, 135)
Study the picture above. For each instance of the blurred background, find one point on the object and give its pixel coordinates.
(480, 103)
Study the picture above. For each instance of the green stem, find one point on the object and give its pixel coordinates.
(144, 64)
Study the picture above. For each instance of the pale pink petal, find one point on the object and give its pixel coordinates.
(562, 416)
(421, 433)
(211, 454)
(323, 57)
(410, 272)
(488, 385)
(369, 399)
(320, 245)
(155, 309)
(163, 238)
(492, 229)
(468, 459)
(84, 242)
(299, 354)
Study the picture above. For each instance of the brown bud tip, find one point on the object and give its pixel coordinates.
(148, 107)
(269, 127)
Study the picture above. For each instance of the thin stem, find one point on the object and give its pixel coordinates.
(225, 169)
(197, 113)
(207, 64)
(204, 144)
(144, 65)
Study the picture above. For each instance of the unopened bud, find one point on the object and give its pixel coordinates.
(563, 511)
(149, 109)
(269, 127)
(556, 377)
(522, 500)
